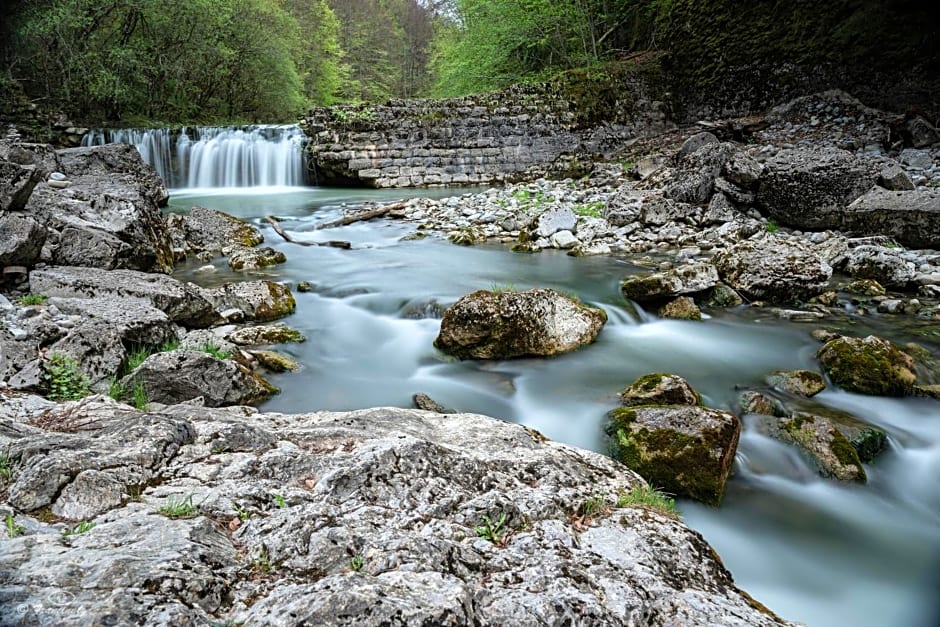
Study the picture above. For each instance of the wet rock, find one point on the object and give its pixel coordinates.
(886, 266)
(910, 217)
(241, 258)
(21, 240)
(820, 438)
(354, 485)
(16, 184)
(425, 402)
(265, 334)
(261, 301)
(868, 365)
(182, 375)
(659, 389)
(685, 279)
(685, 450)
(866, 287)
(682, 308)
(501, 325)
(273, 361)
(773, 269)
(754, 402)
(799, 382)
(183, 303)
(809, 188)
(721, 296)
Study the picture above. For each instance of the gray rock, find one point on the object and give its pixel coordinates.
(773, 269)
(681, 308)
(115, 161)
(554, 220)
(825, 440)
(694, 180)
(869, 365)
(16, 184)
(895, 178)
(910, 217)
(659, 389)
(921, 132)
(241, 258)
(564, 240)
(21, 240)
(182, 375)
(917, 159)
(685, 450)
(695, 143)
(501, 325)
(720, 210)
(183, 303)
(261, 301)
(809, 188)
(887, 266)
(265, 334)
(800, 382)
(687, 279)
(203, 230)
(742, 170)
(657, 211)
(400, 490)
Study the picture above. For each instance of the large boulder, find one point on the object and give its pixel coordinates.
(773, 269)
(209, 230)
(910, 217)
(183, 375)
(686, 279)
(887, 266)
(684, 450)
(367, 517)
(21, 240)
(821, 439)
(501, 325)
(107, 214)
(868, 365)
(809, 188)
(699, 165)
(183, 303)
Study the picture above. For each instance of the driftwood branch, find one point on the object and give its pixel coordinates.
(361, 216)
(287, 238)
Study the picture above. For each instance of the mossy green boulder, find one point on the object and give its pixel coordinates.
(868, 365)
(682, 450)
(659, 389)
(838, 447)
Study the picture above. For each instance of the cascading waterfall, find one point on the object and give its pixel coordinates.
(206, 157)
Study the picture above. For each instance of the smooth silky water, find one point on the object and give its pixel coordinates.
(813, 550)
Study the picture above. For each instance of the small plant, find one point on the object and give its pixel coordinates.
(492, 531)
(169, 345)
(503, 288)
(141, 401)
(261, 563)
(13, 529)
(771, 226)
(356, 562)
(116, 389)
(592, 209)
(66, 382)
(592, 507)
(241, 512)
(177, 507)
(32, 299)
(216, 351)
(521, 194)
(649, 498)
(79, 529)
(6, 467)
(136, 357)
(279, 500)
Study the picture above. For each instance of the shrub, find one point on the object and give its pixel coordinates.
(32, 299)
(66, 382)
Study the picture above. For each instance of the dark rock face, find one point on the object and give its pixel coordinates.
(21, 240)
(16, 184)
(389, 487)
(910, 217)
(868, 365)
(502, 325)
(684, 450)
(774, 270)
(183, 375)
(810, 188)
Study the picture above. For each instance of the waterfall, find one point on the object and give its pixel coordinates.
(202, 157)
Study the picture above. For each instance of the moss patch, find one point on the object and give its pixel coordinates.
(870, 366)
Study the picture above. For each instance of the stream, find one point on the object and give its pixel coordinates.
(813, 550)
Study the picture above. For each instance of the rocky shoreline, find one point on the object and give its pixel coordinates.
(178, 504)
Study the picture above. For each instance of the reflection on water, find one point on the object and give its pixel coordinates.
(813, 550)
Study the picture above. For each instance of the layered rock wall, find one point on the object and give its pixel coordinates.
(518, 133)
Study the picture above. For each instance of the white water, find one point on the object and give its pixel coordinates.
(813, 550)
(217, 157)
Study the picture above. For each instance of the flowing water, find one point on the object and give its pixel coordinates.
(813, 550)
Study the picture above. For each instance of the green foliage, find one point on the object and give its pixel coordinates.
(116, 389)
(6, 467)
(356, 562)
(13, 529)
(593, 506)
(492, 531)
(66, 382)
(178, 507)
(645, 496)
(592, 209)
(141, 400)
(32, 299)
(771, 226)
(279, 500)
(503, 288)
(215, 350)
(241, 512)
(79, 529)
(261, 562)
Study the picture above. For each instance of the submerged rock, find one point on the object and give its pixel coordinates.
(659, 389)
(684, 450)
(502, 325)
(367, 517)
(868, 366)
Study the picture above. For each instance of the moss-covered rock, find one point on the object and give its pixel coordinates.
(868, 366)
(823, 440)
(754, 402)
(260, 301)
(799, 382)
(683, 450)
(865, 287)
(687, 279)
(265, 334)
(242, 258)
(506, 324)
(682, 308)
(274, 361)
(659, 389)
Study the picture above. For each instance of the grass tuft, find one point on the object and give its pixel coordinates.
(649, 498)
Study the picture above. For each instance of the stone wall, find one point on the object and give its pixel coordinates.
(518, 133)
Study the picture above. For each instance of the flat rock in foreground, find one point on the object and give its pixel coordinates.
(360, 518)
(502, 325)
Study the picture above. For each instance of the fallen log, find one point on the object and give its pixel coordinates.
(361, 216)
(287, 238)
